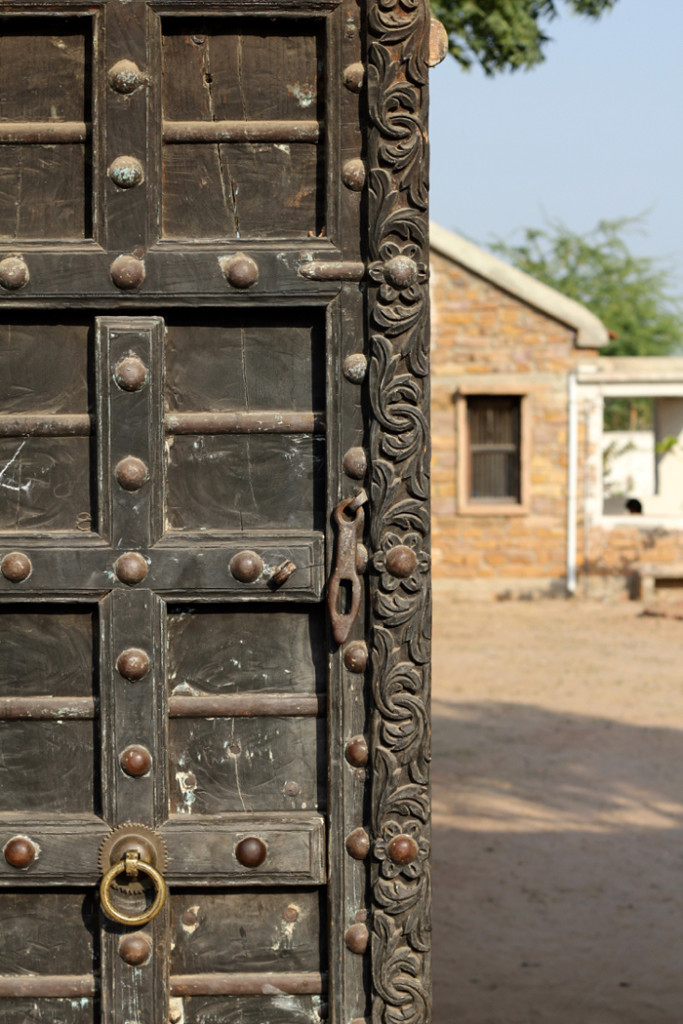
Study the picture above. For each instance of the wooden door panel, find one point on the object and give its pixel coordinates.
(72, 752)
(45, 363)
(47, 651)
(245, 360)
(71, 950)
(246, 69)
(44, 170)
(256, 931)
(219, 649)
(246, 483)
(46, 484)
(246, 764)
(252, 1009)
(241, 99)
(82, 1010)
(46, 481)
(49, 656)
(217, 177)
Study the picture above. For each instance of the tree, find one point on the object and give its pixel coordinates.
(505, 35)
(634, 296)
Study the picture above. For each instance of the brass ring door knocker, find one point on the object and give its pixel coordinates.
(132, 865)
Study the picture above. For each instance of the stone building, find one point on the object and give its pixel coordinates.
(518, 496)
(644, 550)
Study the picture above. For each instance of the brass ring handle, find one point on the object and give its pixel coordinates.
(132, 919)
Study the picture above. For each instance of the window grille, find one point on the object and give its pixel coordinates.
(494, 425)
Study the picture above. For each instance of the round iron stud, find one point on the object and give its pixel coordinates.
(356, 656)
(16, 567)
(20, 852)
(402, 849)
(358, 844)
(136, 760)
(131, 473)
(356, 938)
(131, 568)
(130, 374)
(13, 273)
(353, 175)
(401, 271)
(239, 270)
(357, 752)
(133, 664)
(135, 949)
(126, 172)
(246, 566)
(401, 562)
(125, 77)
(127, 272)
(354, 76)
(251, 852)
(355, 463)
(355, 368)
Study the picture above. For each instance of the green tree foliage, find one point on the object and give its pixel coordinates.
(633, 295)
(505, 35)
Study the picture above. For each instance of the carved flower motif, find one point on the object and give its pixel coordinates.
(401, 849)
(406, 5)
(398, 272)
(401, 563)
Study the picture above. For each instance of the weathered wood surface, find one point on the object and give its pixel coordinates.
(255, 932)
(225, 765)
(251, 483)
(247, 142)
(43, 187)
(220, 649)
(274, 1008)
(249, 74)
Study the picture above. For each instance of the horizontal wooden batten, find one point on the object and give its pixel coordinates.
(65, 425)
(266, 422)
(39, 133)
(47, 986)
(80, 424)
(249, 984)
(332, 270)
(248, 705)
(42, 709)
(240, 131)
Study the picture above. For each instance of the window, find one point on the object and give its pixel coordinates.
(491, 453)
(493, 423)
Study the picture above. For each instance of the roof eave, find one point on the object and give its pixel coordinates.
(590, 331)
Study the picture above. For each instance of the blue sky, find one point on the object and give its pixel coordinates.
(594, 133)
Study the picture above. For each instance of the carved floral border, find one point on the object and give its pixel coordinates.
(397, 51)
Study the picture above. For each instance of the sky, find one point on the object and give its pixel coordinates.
(594, 133)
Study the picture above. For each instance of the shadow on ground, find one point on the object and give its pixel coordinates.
(558, 863)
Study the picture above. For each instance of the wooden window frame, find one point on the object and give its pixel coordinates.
(464, 503)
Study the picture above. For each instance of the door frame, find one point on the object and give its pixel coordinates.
(400, 615)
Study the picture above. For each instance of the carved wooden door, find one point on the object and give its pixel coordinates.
(212, 505)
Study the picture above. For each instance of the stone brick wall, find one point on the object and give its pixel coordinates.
(485, 335)
(615, 554)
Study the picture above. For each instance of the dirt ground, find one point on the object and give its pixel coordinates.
(558, 814)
